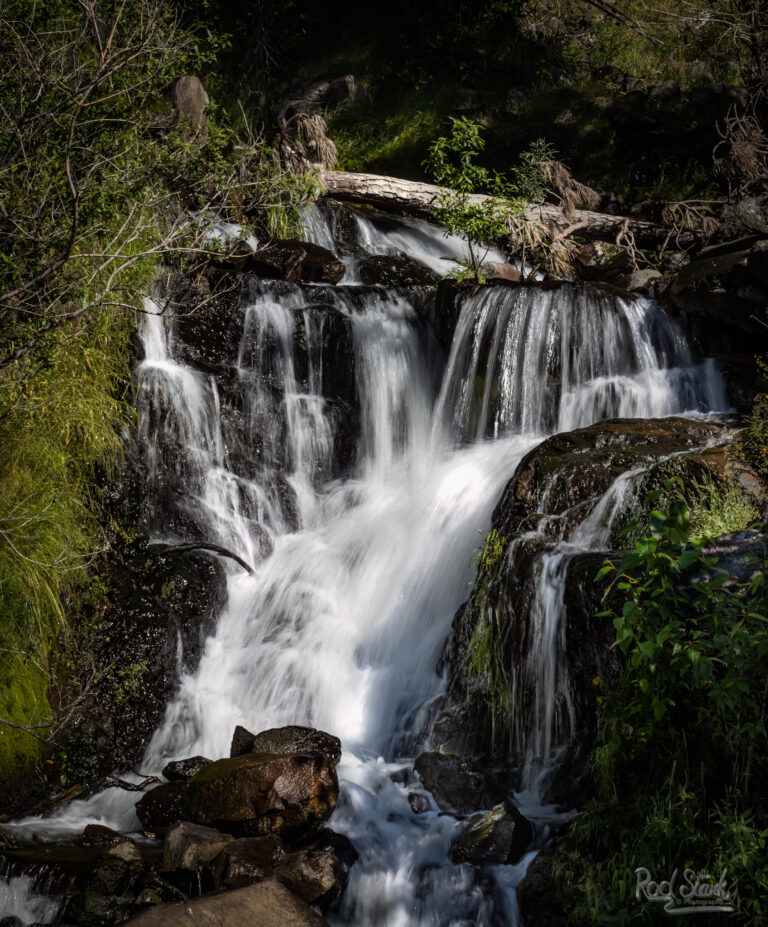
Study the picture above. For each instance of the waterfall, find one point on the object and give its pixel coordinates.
(360, 518)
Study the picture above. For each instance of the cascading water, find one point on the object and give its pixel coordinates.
(361, 557)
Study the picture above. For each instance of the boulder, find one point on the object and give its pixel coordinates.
(266, 904)
(309, 874)
(317, 873)
(639, 281)
(190, 846)
(283, 740)
(247, 860)
(542, 899)
(280, 260)
(320, 265)
(260, 793)
(242, 741)
(395, 270)
(497, 837)
(289, 259)
(181, 770)
(747, 216)
(578, 466)
(495, 270)
(189, 99)
(457, 785)
(728, 282)
(161, 806)
(97, 835)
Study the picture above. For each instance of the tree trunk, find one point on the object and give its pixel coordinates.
(422, 200)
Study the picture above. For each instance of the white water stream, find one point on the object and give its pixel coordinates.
(341, 626)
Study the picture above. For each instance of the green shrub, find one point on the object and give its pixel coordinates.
(683, 736)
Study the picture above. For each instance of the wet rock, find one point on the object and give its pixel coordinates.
(419, 802)
(309, 874)
(8, 838)
(500, 836)
(181, 770)
(190, 846)
(247, 860)
(281, 260)
(11, 921)
(293, 260)
(541, 899)
(498, 271)
(154, 601)
(395, 271)
(457, 785)
(320, 265)
(290, 739)
(266, 904)
(728, 282)
(260, 793)
(317, 873)
(162, 806)
(242, 741)
(90, 909)
(576, 466)
(97, 835)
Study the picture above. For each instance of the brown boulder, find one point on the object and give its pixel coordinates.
(247, 860)
(497, 837)
(576, 466)
(266, 904)
(261, 793)
(190, 846)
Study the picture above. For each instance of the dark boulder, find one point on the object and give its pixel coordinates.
(247, 860)
(97, 835)
(497, 837)
(260, 793)
(291, 260)
(395, 270)
(242, 741)
(162, 806)
(578, 466)
(181, 770)
(282, 740)
(728, 282)
(543, 900)
(456, 784)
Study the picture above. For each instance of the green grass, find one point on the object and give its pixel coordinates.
(720, 508)
(52, 446)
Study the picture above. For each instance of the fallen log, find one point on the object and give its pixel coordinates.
(422, 200)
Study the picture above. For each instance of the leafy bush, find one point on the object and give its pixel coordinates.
(683, 731)
(754, 438)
